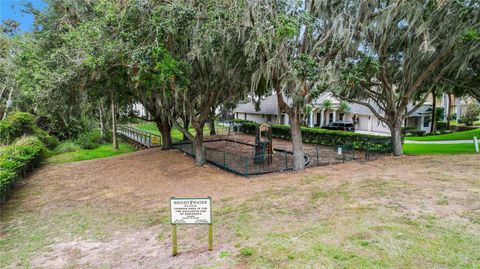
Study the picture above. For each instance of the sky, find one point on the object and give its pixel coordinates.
(12, 9)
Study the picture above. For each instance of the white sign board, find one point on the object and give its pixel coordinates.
(191, 210)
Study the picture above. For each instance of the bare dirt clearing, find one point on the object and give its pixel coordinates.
(391, 213)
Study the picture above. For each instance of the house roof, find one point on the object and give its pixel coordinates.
(424, 109)
(268, 106)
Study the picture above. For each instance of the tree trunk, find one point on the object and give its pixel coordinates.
(434, 107)
(114, 126)
(186, 124)
(101, 113)
(396, 139)
(296, 132)
(165, 129)
(198, 143)
(297, 142)
(211, 127)
(8, 104)
(325, 117)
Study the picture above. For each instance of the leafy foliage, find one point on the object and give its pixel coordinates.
(89, 140)
(16, 159)
(404, 49)
(18, 124)
(471, 114)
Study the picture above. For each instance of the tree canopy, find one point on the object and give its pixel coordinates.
(185, 60)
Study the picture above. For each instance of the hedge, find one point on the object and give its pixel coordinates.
(19, 124)
(17, 159)
(327, 137)
(15, 125)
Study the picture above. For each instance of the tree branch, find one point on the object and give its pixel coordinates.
(369, 106)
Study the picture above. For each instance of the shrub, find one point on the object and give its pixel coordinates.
(16, 159)
(328, 137)
(89, 140)
(15, 125)
(406, 130)
(417, 133)
(452, 116)
(7, 177)
(439, 114)
(66, 146)
(241, 121)
(441, 125)
(49, 141)
(18, 124)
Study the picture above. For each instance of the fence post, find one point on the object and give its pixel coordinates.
(475, 141)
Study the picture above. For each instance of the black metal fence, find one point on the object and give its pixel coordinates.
(242, 160)
(239, 157)
(242, 164)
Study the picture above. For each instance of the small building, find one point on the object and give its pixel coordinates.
(268, 111)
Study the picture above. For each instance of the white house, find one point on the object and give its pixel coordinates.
(318, 117)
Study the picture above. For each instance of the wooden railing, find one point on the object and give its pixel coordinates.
(141, 137)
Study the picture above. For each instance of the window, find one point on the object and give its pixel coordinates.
(245, 116)
(269, 117)
(426, 121)
(341, 116)
(330, 117)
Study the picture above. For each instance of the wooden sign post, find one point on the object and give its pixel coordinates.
(190, 211)
(475, 142)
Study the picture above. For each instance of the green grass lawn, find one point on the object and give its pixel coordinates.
(176, 134)
(152, 127)
(89, 154)
(418, 149)
(455, 123)
(453, 136)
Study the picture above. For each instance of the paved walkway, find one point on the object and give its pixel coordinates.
(439, 142)
(372, 133)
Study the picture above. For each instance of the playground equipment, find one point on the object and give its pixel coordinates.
(263, 144)
(235, 127)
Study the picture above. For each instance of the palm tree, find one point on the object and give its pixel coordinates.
(326, 105)
(344, 107)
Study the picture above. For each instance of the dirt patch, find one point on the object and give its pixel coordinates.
(128, 224)
(139, 249)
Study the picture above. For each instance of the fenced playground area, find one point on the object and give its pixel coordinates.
(245, 154)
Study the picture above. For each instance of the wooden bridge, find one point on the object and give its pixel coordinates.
(140, 137)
